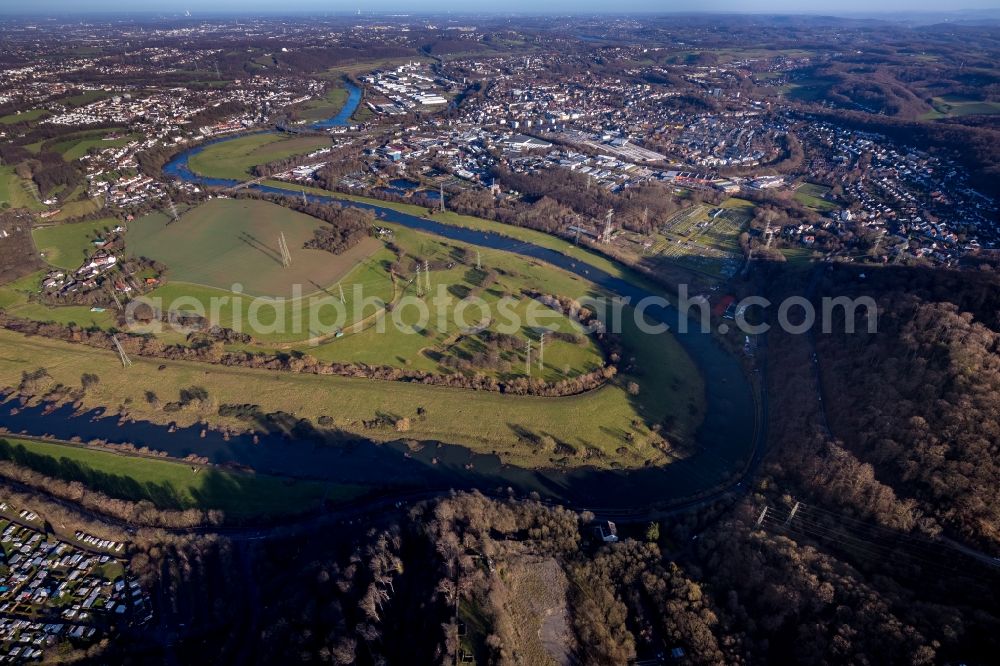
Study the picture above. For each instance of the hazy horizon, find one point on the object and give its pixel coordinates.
(553, 7)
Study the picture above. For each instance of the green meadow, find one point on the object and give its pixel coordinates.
(170, 484)
(235, 158)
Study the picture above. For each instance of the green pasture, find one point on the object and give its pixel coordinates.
(952, 106)
(604, 427)
(174, 485)
(16, 192)
(235, 158)
(67, 245)
(812, 195)
(321, 109)
(429, 327)
(223, 242)
(24, 116)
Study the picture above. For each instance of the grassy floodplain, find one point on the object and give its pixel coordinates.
(608, 421)
(604, 427)
(532, 236)
(402, 347)
(321, 109)
(207, 252)
(225, 241)
(426, 349)
(173, 485)
(235, 158)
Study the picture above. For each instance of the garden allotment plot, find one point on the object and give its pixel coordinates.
(705, 238)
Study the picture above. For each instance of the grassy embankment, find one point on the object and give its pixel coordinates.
(173, 485)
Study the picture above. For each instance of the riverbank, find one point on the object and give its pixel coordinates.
(591, 427)
(172, 485)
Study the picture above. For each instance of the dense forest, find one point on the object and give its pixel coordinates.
(933, 434)
(347, 226)
(515, 581)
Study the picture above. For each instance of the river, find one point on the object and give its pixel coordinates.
(725, 441)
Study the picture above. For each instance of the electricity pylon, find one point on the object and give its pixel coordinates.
(126, 361)
(286, 256)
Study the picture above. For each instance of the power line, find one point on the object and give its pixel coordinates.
(608, 227)
(173, 210)
(839, 516)
(929, 547)
(286, 256)
(126, 361)
(876, 550)
(878, 553)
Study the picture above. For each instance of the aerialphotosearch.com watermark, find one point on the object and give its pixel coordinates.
(330, 313)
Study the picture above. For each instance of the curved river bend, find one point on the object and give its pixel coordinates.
(725, 441)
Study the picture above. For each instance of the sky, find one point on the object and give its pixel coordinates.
(206, 7)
